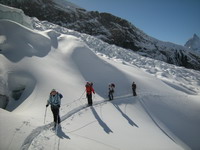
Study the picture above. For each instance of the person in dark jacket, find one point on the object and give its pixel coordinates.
(55, 101)
(89, 90)
(111, 91)
(134, 89)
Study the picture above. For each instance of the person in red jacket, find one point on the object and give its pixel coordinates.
(89, 90)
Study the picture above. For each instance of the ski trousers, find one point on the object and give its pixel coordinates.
(56, 116)
(134, 92)
(110, 95)
(89, 97)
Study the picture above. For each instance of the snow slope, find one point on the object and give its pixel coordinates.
(164, 115)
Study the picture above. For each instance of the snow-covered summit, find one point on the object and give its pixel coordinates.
(193, 43)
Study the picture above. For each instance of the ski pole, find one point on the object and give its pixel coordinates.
(81, 97)
(82, 94)
(45, 115)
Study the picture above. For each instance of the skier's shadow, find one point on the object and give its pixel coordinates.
(61, 134)
(103, 124)
(125, 116)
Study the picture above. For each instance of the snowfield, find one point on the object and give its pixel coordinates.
(164, 115)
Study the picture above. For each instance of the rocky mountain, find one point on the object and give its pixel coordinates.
(107, 27)
(193, 43)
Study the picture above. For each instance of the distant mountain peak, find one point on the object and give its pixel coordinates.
(193, 43)
(195, 36)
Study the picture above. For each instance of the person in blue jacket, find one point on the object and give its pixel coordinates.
(55, 101)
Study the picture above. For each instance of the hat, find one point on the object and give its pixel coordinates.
(53, 90)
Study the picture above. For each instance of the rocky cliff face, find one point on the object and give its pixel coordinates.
(109, 28)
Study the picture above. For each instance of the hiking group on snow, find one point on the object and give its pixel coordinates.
(55, 99)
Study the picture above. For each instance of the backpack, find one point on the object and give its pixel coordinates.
(133, 86)
(55, 99)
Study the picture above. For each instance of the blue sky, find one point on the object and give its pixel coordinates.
(167, 20)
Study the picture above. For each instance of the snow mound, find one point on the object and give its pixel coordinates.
(23, 42)
(16, 15)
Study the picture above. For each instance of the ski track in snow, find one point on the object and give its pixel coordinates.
(18, 129)
(152, 118)
(36, 132)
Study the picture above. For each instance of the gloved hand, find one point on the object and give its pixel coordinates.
(47, 105)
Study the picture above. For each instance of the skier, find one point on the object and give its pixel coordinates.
(134, 89)
(111, 91)
(89, 90)
(55, 101)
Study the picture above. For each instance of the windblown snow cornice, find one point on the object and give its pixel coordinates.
(107, 27)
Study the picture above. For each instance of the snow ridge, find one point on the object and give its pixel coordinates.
(159, 69)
